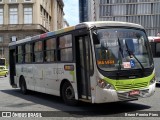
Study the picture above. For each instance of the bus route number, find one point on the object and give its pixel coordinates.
(107, 62)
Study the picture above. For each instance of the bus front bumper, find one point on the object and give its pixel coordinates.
(108, 95)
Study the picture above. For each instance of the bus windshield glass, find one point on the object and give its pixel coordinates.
(122, 49)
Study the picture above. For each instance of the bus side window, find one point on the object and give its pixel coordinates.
(28, 51)
(49, 50)
(38, 51)
(20, 54)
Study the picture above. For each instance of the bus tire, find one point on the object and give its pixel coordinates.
(23, 86)
(68, 94)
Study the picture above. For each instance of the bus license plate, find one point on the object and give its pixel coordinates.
(135, 92)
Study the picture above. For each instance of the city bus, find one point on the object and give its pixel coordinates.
(96, 62)
(155, 46)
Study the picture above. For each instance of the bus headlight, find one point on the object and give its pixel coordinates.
(103, 84)
(152, 81)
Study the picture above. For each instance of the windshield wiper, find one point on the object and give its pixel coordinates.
(121, 52)
(120, 48)
(130, 53)
(119, 58)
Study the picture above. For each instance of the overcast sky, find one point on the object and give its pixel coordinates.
(71, 10)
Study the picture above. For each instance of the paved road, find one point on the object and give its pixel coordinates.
(12, 100)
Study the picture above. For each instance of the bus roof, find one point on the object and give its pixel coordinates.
(109, 23)
(79, 26)
(153, 39)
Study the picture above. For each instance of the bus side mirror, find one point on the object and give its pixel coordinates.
(95, 38)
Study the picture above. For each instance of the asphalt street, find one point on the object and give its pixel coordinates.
(43, 105)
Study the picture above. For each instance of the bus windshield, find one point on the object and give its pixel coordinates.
(122, 49)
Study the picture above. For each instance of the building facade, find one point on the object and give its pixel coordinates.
(144, 12)
(83, 10)
(20, 19)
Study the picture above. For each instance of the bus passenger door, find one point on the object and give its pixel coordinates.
(83, 67)
(12, 67)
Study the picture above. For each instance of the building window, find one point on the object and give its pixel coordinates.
(27, 0)
(27, 15)
(1, 39)
(12, 1)
(1, 15)
(41, 9)
(13, 15)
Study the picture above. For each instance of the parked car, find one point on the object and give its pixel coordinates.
(3, 71)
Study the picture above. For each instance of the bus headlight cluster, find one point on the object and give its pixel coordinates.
(103, 84)
(152, 81)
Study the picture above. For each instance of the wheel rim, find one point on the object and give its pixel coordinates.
(69, 93)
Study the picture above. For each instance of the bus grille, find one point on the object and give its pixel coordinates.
(125, 96)
(130, 86)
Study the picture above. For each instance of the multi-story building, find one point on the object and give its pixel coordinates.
(25, 18)
(144, 12)
(83, 10)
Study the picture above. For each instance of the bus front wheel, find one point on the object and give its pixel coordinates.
(23, 86)
(68, 94)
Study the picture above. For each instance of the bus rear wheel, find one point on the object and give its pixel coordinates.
(23, 86)
(68, 94)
